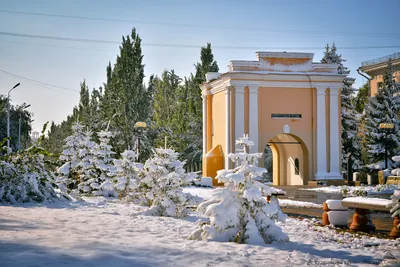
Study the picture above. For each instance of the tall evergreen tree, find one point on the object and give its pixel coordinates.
(362, 98)
(350, 118)
(125, 99)
(84, 104)
(165, 106)
(383, 108)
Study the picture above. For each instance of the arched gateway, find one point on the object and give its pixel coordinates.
(282, 100)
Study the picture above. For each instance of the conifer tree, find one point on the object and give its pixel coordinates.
(350, 118)
(362, 98)
(383, 108)
(84, 104)
(161, 181)
(68, 174)
(89, 180)
(125, 99)
(128, 174)
(238, 212)
(104, 163)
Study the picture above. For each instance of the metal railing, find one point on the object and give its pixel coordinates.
(380, 59)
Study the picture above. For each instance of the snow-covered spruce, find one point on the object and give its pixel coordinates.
(24, 178)
(128, 175)
(89, 179)
(104, 164)
(238, 212)
(383, 108)
(161, 181)
(88, 167)
(68, 178)
(351, 142)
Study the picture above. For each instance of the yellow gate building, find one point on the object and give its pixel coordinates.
(284, 100)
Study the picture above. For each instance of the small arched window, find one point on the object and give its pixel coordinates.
(296, 166)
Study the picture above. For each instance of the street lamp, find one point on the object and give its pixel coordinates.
(386, 127)
(139, 124)
(19, 125)
(8, 116)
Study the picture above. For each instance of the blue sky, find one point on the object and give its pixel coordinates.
(250, 23)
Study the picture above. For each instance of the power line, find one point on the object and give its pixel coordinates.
(42, 84)
(169, 24)
(83, 40)
(57, 46)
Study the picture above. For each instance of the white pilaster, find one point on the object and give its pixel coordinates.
(253, 117)
(334, 134)
(321, 135)
(228, 126)
(204, 124)
(239, 114)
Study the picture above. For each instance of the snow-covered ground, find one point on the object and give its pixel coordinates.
(101, 232)
(288, 203)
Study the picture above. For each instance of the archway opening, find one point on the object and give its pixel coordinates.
(290, 160)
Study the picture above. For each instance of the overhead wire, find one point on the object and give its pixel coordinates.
(98, 41)
(38, 83)
(169, 24)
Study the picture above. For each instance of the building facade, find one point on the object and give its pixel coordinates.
(375, 68)
(284, 101)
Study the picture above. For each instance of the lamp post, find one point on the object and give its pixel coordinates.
(8, 116)
(19, 125)
(386, 127)
(139, 124)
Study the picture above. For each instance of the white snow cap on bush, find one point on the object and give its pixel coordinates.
(238, 212)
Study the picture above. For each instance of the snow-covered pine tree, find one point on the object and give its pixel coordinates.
(383, 108)
(162, 177)
(128, 174)
(68, 177)
(88, 177)
(351, 142)
(238, 212)
(104, 163)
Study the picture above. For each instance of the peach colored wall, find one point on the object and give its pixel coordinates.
(287, 100)
(379, 78)
(374, 84)
(218, 116)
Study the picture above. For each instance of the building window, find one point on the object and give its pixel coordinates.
(296, 166)
(380, 85)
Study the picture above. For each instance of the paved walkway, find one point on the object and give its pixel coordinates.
(382, 220)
